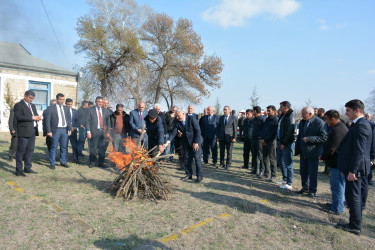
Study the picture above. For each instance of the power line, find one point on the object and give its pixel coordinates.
(62, 50)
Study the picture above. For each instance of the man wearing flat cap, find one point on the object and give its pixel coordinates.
(155, 132)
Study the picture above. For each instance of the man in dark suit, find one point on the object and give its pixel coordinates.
(12, 123)
(27, 128)
(191, 112)
(227, 133)
(58, 126)
(187, 128)
(309, 145)
(337, 131)
(209, 128)
(48, 138)
(75, 125)
(82, 117)
(98, 131)
(138, 124)
(354, 162)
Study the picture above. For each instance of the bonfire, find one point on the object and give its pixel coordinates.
(140, 174)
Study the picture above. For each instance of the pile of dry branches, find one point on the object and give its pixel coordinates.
(140, 176)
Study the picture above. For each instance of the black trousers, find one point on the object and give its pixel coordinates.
(74, 142)
(226, 146)
(25, 151)
(48, 142)
(13, 146)
(98, 146)
(257, 156)
(269, 159)
(210, 144)
(189, 156)
(246, 151)
(354, 194)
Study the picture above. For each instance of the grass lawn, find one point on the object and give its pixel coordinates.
(75, 208)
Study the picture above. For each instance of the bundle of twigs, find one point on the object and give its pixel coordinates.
(140, 176)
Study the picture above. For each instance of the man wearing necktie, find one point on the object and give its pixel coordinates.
(27, 119)
(227, 133)
(188, 130)
(309, 145)
(209, 133)
(98, 131)
(138, 124)
(75, 125)
(58, 127)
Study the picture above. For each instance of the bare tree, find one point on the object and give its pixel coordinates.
(254, 98)
(218, 107)
(370, 102)
(9, 99)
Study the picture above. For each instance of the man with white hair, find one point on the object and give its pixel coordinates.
(191, 112)
(187, 128)
(309, 145)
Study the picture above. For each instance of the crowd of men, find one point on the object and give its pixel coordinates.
(271, 137)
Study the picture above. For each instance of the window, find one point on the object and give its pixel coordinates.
(42, 94)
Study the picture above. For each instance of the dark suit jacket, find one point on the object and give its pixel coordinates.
(52, 119)
(136, 122)
(210, 128)
(82, 116)
(191, 130)
(12, 123)
(316, 135)
(228, 132)
(75, 118)
(355, 147)
(24, 119)
(92, 120)
(193, 115)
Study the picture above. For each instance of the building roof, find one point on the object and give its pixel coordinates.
(15, 56)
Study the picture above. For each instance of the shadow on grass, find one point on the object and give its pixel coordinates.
(131, 242)
(9, 167)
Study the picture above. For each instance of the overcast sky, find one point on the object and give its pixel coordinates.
(290, 50)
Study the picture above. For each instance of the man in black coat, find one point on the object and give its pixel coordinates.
(75, 125)
(256, 145)
(268, 141)
(286, 135)
(59, 127)
(337, 131)
(247, 137)
(27, 128)
(155, 132)
(312, 135)
(227, 133)
(354, 162)
(12, 123)
(82, 116)
(188, 130)
(98, 129)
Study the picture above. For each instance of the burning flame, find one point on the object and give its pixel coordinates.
(132, 153)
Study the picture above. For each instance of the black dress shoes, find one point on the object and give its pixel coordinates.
(221, 166)
(64, 165)
(199, 180)
(244, 167)
(187, 177)
(103, 165)
(30, 171)
(347, 228)
(20, 174)
(227, 167)
(260, 175)
(311, 195)
(302, 191)
(253, 172)
(52, 167)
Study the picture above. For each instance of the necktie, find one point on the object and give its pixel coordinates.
(209, 119)
(30, 107)
(226, 121)
(183, 123)
(140, 115)
(100, 118)
(62, 116)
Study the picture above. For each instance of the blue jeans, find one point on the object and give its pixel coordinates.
(118, 141)
(337, 181)
(170, 148)
(81, 140)
(60, 137)
(286, 162)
